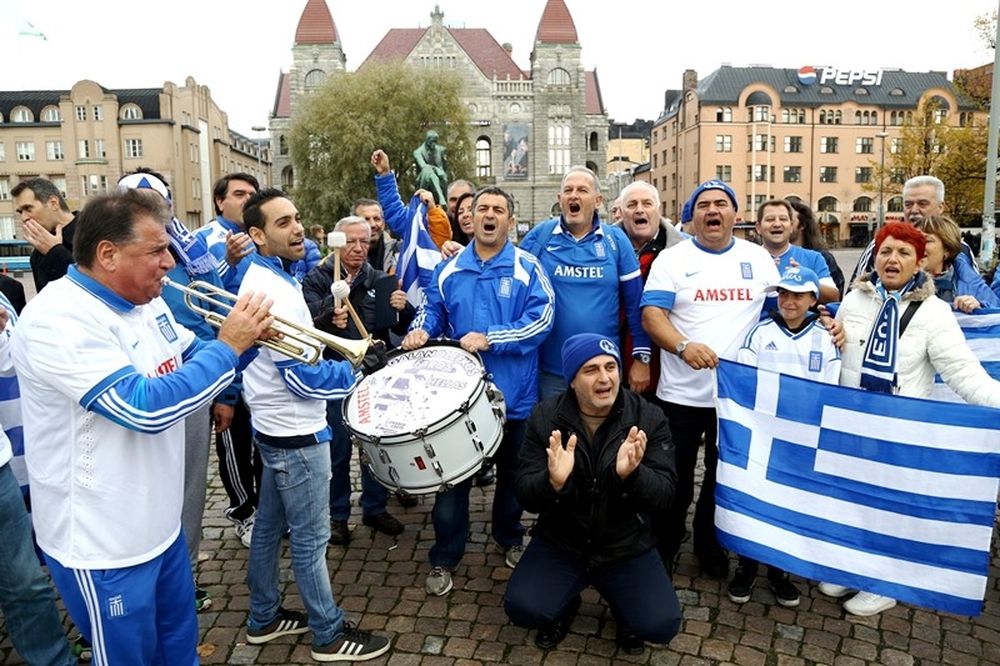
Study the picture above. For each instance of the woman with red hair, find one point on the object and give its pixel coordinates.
(898, 335)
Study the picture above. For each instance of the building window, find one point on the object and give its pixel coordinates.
(760, 142)
(895, 145)
(133, 148)
(98, 113)
(656, 161)
(132, 111)
(723, 143)
(793, 174)
(895, 205)
(828, 174)
(60, 183)
(484, 158)
(81, 112)
(863, 205)
(793, 144)
(50, 114)
(559, 77)
(828, 144)
(864, 145)
(22, 114)
(83, 149)
(4, 188)
(724, 114)
(3, 151)
(93, 184)
(862, 175)
(25, 151)
(940, 116)
(724, 172)
(282, 145)
(827, 205)
(54, 150)
(793, 116)
(761, 114)
(100, 152)
(897, 176)
(559, 147)
(314, 77)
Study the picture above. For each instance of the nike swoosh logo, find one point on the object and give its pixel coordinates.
(551, 248)
(135, 344)
(692, 273)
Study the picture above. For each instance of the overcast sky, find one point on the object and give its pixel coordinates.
(639, 47)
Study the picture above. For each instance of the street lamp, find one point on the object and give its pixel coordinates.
(881, 186)
(260, 172)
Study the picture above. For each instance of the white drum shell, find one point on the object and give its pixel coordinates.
(429, 457)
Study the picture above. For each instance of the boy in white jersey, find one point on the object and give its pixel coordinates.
(791, 341)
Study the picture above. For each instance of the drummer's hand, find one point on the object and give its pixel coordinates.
(473, 342)
(397, 299)
(340, 317)
(415, 338)
(560, 460)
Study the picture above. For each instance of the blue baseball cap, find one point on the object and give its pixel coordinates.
(798, 279)
(704, 187)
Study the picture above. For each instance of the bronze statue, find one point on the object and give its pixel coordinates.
(432, 172)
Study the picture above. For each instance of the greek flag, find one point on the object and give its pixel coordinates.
(882, 493)
(10, 403)
(418, 255)
(982, 332)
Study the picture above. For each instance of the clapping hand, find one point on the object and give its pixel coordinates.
(630, 453)
(561, 459)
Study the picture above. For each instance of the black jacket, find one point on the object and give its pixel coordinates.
(49, 267)
(316, 290)
(597, 517)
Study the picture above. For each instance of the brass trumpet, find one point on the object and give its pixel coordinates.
(302, 343)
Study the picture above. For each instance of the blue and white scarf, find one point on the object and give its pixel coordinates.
(878, 365)
(191, 249)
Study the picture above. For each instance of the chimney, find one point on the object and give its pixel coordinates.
(690, 80)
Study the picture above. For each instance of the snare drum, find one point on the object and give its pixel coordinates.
(426, 421)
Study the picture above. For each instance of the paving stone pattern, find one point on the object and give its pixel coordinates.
(379, 581)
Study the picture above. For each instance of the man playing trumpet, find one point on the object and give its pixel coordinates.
(287, 400)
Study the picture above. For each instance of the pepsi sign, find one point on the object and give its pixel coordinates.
(842, 77)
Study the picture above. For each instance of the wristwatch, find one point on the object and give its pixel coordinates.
(681, 346)
(643, 357)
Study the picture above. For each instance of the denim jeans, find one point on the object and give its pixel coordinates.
(451, 508)
(373, 495)
(26, 598)
(294, 493)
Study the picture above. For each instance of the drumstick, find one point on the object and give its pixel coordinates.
(336, 240)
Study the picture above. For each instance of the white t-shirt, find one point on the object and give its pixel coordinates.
(103, 496)
(712, 298)
(809, 354)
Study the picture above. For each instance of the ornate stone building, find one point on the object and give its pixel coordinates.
(84, 138)
(528, 127)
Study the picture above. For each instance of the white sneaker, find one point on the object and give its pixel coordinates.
(867, 603)
(835, 591)
(244, 530)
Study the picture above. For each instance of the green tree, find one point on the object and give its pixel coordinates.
(927, 145)
(388, 106)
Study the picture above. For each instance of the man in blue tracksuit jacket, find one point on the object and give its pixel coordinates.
(494, 299)
(594, 271)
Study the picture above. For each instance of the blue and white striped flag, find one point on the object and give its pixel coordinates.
(982, 332)
(882, 493)
(10, 409)
(418, 255)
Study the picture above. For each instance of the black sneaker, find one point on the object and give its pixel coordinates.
(286, 623)
(485, 477)
(785, 592)
(629, 643)
(741, 585)
(551, 636)
(384, 523)
(340, 533)
(714, 564)
(352, 645)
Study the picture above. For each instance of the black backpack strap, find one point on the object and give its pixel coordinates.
(904, 321)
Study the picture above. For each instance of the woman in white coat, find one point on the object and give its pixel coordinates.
(898, 335)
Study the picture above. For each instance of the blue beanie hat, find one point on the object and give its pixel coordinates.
(711, 185)
(582, 347)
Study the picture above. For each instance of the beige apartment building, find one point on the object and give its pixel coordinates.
(818, 134)
(83, 139)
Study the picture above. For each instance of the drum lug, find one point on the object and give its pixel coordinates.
(430, 453)
(437, 468)
(470, 425)
(394, 477)
(478, 443)
(384, 457)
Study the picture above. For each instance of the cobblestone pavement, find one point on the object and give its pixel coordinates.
(379, 582)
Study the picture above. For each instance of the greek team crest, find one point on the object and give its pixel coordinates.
(506, 285)
(599, 249)
(747, 270)
(166, 328)
(815, 361)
